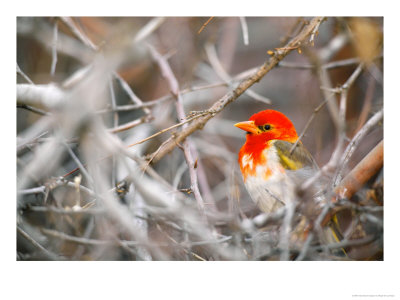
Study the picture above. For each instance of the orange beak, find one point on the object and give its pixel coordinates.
(248, 126)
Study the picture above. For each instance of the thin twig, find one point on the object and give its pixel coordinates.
(148, 29)
(48, 254)
(131, 94)
(22, 145)
(33, 109)
(204, 25)
(167, 129)
(150, 103)
(67, 211)
(349, 82)
(54, 50)
(115, 118)
(92, 242)
(80, 165)
(77, 77)
(327, 66)
(36, 190)
(24, 75)
(78, 33)
(369, 93)
(341, 63)
(313, 34)
(245, 30)
(128, 125)
(316, 110)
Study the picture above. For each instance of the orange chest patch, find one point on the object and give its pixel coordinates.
(261, 164)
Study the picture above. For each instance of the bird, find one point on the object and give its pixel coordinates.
(274, 164)
(272, 173)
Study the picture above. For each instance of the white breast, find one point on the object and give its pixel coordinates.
(273, 192)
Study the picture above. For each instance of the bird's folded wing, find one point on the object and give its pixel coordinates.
(299, 158)
(300, 164)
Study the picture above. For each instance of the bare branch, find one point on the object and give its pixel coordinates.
(33, 109)
(131, 94)
(129, 125)
(42, 96)
(314, 33)
(46, 252)
(245, 31)
(204, 25)
(54, 50)
(368, 167)
(78, 33)
(24, 75)
(148, 29)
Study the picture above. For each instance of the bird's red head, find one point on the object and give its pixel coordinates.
(268, 125)
(262, 127)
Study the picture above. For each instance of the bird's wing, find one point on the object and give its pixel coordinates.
(300, 164)
(298, 159)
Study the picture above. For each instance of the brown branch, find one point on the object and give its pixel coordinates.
(368, 167)
(205, 24)
(364, 170)
(231, 96)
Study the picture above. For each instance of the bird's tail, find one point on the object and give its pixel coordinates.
(333, 235)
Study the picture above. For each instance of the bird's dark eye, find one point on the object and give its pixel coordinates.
(265, 127)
